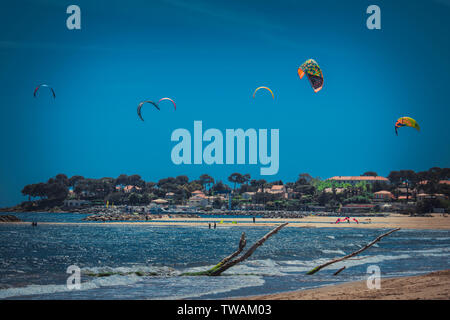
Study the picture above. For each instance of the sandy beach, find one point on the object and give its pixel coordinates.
(436, 222)
(432, 286)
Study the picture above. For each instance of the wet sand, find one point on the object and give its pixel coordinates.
(436, 222)
(432, 286)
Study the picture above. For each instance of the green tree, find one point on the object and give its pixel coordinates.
(236, 178)
(206, 180)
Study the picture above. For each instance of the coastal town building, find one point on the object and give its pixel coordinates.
(198, 199)
(424, 196)
(248, 195)
(337, 190)
(356, 179)
(383, 195)
(424, 182)
(130, 188)
(160, 201)
(170, 195)
(276, 190)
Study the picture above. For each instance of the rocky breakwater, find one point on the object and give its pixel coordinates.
(117, 217)
(108, 216)
(279, 214)
(9, 218)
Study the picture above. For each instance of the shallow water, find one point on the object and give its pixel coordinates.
(34, 260)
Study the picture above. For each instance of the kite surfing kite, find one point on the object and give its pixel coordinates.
(44, 85)
(314, 73)
(273, 97)
(169, 100)
(140, 107)
(406, 122)
(339, 220)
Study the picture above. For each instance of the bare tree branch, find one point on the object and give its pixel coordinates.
(339, 271)
(249, 251)
(228, 262)
(316, 269)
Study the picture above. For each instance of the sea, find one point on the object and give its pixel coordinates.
(37, 262)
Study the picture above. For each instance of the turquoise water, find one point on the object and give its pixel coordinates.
(34, 260)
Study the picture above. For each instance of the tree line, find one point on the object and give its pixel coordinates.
(305, 191)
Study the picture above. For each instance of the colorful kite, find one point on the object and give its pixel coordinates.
(266, 88)
(44, 85)
(314, 73)
(140, 107)
(169, 100)
(406, 122)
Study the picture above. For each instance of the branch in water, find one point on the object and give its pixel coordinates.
(316, 269)
(228, 262)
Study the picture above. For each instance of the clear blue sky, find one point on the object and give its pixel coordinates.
(209, 56)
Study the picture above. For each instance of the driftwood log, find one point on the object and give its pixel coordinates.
(316, 269)
(230, 261)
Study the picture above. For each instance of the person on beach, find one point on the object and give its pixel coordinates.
(214, 225)
(209, 225)
(253, 219)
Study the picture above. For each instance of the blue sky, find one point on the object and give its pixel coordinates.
(209, 56)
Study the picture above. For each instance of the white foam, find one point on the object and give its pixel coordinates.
(157, 270)
(55, 288)
(333, 251)
(209, 286)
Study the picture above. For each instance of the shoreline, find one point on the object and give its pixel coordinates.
(435, 222)
(430, 286)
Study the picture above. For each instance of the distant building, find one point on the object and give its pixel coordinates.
(277, 190)
(356, 179)
(160, 201)
(198, 199)
(440, 182)
(330, 190)
(131, 188)
(424, 196)
(248, 195)
(383, 195)
(169, 195)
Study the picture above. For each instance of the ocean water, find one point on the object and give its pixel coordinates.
(34, 260)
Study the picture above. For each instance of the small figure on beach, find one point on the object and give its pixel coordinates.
(253, 219)
(209, 225)
(214, 225)
(34, 224)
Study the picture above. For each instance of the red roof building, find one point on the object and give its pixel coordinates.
(355, 179)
